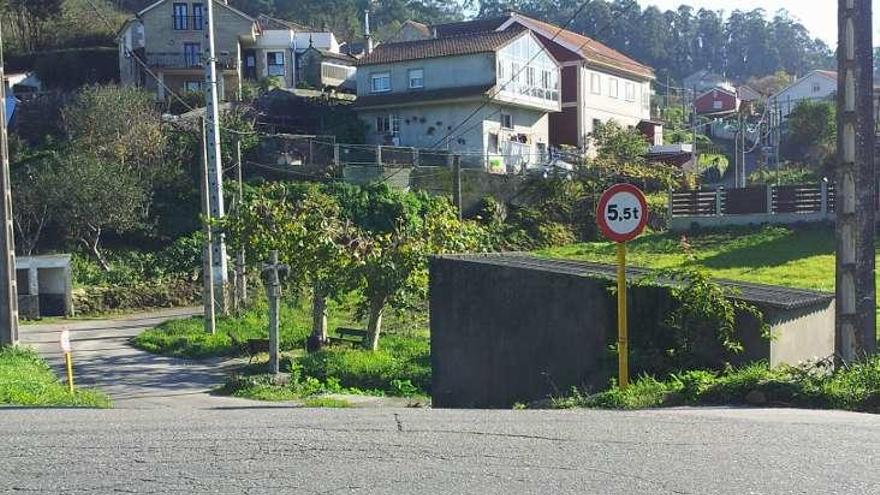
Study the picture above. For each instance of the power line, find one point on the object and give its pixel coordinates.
(515, 76)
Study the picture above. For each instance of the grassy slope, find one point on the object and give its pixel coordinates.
(26, 380)
(794, 257)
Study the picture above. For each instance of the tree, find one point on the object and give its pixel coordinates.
(303, 223)
(394, 270)
(89, 197)
(812, 134)
(118, 124)
(28, 22)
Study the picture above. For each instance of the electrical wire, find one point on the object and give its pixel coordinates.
(514, 76)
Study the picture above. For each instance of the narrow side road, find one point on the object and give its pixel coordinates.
(104, 359)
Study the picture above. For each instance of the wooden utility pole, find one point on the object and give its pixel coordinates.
(215, 165)
(271, 271)
(207, 265)
(856, 319)
(8, 289)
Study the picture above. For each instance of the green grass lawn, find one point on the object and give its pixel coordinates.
(795, 257)
(26, 380)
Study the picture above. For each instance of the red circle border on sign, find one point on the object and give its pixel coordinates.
(603, 202)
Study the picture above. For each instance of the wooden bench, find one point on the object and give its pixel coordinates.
(349, 336)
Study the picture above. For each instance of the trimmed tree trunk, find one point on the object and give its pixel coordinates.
(374, 326)
(319, 322)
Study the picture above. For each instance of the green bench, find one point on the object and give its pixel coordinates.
(349, 336)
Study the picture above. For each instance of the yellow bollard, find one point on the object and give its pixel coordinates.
(622, 332)
(69, 360)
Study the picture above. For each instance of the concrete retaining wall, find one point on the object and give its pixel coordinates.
(511, 328)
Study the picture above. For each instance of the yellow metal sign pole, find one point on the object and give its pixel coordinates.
(69, 360)
(622, 337)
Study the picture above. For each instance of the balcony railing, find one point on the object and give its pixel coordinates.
(188, 61)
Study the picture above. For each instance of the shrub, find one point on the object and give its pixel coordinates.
(92, 300)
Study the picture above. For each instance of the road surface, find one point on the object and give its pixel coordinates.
(403, 451)
(104, 359)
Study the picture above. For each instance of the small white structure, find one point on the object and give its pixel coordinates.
(815, 86)
(45, 286)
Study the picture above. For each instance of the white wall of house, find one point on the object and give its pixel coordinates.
(424, 125)
(608, 96)
(438, 73)
(322, 41)
(814, 86)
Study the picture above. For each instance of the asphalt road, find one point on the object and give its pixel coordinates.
(287, 450)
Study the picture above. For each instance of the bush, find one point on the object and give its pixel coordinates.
(93, 300)
(400, 368)
(853, 388)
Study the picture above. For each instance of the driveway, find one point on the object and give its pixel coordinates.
(104, 359)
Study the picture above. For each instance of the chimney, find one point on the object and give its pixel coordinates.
(368, 38)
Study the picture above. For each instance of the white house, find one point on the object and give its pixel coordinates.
(167, 39)
(815, 86)
(598, 83)
(485, 95)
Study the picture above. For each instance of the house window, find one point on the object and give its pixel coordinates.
(506, 120)
(380, 83)
(546, 79)
(192, 54)
(817, 87)
(383, 124)
(501, 71)
(613, 88)
(198, 17)
(275, 63)
(180, 18)
(416, 78)
(514, 72)
(597, 125)
(630, 89)
(388, 124)
(646, 99)
(530, 76)
(596, 84)
(193, 86)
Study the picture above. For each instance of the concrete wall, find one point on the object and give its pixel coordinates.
(422, 125)
(501, 335)
(507, 329)
(605, 107)
(442, 72)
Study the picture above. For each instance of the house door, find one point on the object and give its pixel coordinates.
(250, 65)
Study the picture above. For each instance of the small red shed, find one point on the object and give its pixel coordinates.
(717, 101)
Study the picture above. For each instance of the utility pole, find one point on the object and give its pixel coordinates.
(240, 295)
(215, 167)
(456, 183)
(8, 288)
(207, 265)
(856, 298)
(271, 271)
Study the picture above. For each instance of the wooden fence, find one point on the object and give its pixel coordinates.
(753, 204)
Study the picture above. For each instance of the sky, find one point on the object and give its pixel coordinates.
(819, 16)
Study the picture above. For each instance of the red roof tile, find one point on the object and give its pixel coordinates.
(388, 53)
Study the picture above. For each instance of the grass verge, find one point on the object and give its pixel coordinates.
(27, 380)
(852, 388)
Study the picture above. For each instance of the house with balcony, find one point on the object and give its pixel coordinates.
(168, 40)
(487, 96)
(597, 83)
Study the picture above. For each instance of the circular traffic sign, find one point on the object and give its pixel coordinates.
(622, 213)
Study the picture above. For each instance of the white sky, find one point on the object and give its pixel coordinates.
(819, 16)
